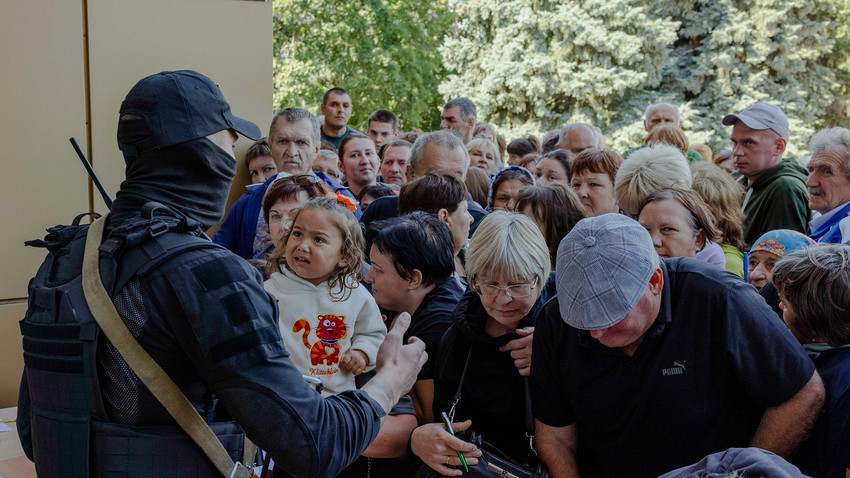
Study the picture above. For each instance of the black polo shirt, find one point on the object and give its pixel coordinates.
(699, 382)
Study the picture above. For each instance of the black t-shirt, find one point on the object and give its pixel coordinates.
(431, 320)
(699, 382)
(771, 296)
(493, 393)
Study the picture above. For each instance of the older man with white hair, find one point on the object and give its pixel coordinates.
(663, 113)
(829, 185)
(576, 137)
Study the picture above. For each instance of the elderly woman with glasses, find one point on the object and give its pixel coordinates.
(483, 354)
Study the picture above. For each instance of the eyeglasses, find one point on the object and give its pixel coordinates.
(300, 179)
(516, 291)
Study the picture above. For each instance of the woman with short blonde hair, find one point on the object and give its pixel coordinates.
(508, 263)
(647, 170)
(484, 154)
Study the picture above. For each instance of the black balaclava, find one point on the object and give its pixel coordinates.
(192, 178)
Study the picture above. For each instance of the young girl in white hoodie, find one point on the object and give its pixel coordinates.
(330, 325)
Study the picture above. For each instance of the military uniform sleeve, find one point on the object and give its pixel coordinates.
(217, 310)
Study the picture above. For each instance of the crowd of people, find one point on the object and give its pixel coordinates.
(641, 349)
(583, 311)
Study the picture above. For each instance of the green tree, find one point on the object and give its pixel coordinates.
(839, 63)
(383, 52)
(732, 54)
(533, 65)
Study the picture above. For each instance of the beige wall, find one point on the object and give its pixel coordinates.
(230, 42)
(42, 82)
(44, 104)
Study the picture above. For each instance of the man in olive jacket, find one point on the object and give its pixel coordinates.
(776, 188)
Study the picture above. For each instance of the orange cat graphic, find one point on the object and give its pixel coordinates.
(330, 330)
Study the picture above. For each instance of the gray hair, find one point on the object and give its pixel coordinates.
(399, 142)
(327, 154)
(511, 246)
(816, 282)
(596, 132)
(446, 138)
(652, 107)
(294, 114)
(833, 139)
(467, 108)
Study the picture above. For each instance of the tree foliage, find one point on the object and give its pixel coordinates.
(839, 63)
(383, 52)
(533, 65)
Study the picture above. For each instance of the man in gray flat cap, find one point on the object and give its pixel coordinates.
(642, 365)
(776, 188)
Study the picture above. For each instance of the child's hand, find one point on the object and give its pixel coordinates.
(354, 361)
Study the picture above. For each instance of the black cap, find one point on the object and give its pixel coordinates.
(174, 107)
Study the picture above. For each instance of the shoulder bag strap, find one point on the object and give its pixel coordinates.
(456, 398)
(151, 374)
(529, 416)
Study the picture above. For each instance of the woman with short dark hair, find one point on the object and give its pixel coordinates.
(412, 259)
(593, 174)
(814, 290)
(506, 186)
(553, 168)
(444, 196)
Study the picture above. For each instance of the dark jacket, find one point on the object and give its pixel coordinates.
(238, 230)
(493, 393)
(778, 200)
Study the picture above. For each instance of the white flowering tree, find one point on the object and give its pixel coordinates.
(534, 65)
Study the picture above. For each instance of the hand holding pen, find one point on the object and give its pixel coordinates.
(448, 424)
(440, 450)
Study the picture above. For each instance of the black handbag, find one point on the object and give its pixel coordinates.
(494, 463)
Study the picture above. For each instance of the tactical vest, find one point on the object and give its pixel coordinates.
(70, 431)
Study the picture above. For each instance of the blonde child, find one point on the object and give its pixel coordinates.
(330, 325)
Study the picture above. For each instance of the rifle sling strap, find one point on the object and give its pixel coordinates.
(150, 373)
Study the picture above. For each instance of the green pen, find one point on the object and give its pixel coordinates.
(448, 424)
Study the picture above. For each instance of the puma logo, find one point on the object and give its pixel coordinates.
(677, 369)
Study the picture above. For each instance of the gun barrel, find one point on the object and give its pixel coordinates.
(92, 175)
